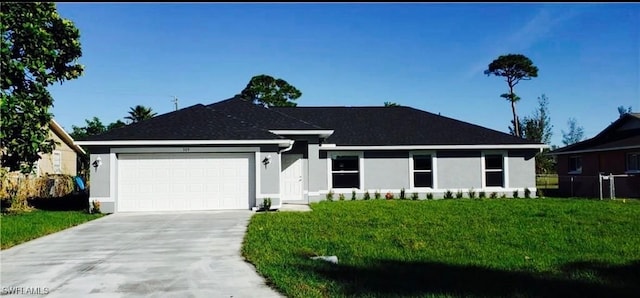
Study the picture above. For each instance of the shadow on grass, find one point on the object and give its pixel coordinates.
(395, 278)
(73, 202)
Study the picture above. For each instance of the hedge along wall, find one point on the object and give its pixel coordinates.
(27, 187)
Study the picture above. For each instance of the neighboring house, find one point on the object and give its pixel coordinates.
(614, 151)
(232, 154)
(64, 157)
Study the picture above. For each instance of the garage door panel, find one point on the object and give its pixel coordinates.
(184, 181)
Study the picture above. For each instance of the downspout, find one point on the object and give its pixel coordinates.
(287, 149)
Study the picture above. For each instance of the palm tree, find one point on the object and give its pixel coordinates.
(140, 113)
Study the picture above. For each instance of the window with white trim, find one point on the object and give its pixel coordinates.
(57, 162)
(36, 168)
(422, 171)
(575, 165)
(345, 171)
(633, 162)
(494, 170)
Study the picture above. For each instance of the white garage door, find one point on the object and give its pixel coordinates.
(184, 181)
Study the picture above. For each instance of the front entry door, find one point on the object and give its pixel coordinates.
(292, 177)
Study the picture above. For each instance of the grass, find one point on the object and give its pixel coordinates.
(444, 248)
(547, 181)
(19, 228)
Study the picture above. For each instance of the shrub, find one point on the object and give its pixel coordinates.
(95, 205)
(503, 196)
(459, 194)
(377, 195)
(429, 196)
(402, 195)
(330, 195)
(539, 193)
(341, 197)
(448, 194)
(353, 195)
(472, 193)
(414, 196)
(47, 186)
(527, 193)
(482, 194)
(493, 195)
(389, 196)
(19, 189)
(515, 194)
(366, 196)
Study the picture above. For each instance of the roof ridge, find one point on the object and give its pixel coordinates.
(344, 107)
(605, 135)
(265, 109)
(250, 124)
(297, 119)
(615, 124)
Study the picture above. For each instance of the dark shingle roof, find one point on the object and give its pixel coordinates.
(239, 119)
(262, 117)
(609, 138)
(384, 126)
(197, 122)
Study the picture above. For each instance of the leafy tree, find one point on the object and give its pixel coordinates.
(39, 48)
(538, 128)
(115, 125)
(514, 67)
(140, 113)
(391, 104)
(622, 110)
(270, 92)
(512, 128)
(93, 127)
(575, 133)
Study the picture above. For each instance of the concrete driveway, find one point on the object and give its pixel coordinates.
(186, 254)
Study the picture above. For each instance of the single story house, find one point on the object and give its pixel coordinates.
(614, 151)
(232, 154)
(64, 157)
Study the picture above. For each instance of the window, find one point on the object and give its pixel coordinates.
(345, 171)
(422, 171)
(633, 162)
(36, 168)
(494, 170)
(57, 162)
(575, 165)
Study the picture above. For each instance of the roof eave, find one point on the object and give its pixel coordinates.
(323, 133)
(595, 150)
(279, 142)
(434, 147)
(55, 127)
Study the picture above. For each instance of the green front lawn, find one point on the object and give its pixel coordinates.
(18, 228)
(491, 247)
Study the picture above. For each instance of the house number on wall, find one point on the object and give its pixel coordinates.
(185, 149)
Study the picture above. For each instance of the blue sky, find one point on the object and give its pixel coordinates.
(427, 56)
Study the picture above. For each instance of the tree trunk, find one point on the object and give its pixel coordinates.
(516, 125)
